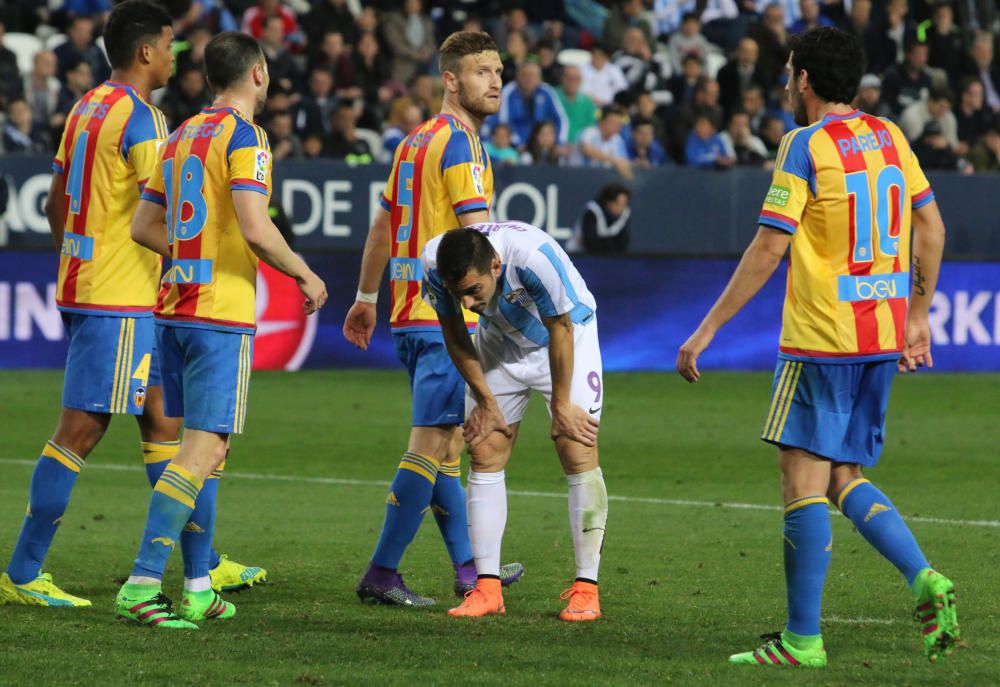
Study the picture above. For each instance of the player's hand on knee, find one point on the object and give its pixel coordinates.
(360, 324)
(573, 422)
(482, 422)
(313, 288)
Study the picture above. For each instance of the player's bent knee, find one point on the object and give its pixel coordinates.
(575, 457)
(80, 430)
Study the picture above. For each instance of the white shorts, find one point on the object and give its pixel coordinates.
(512, 373)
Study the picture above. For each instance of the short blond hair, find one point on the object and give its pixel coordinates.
(462, 43)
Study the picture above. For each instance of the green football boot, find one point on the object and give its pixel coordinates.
(207, 605)
(935, 596)
(775, 652)
(147, 605)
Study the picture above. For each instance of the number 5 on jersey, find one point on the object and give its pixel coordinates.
(404, 199)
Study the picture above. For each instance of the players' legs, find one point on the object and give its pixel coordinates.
(805, 479)
(448, 505)
(52, 481)
(487, 500)
(588, 505)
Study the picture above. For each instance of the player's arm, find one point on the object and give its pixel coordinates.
(360, 321)
(267, 244)
(55, 208)
(758, 263)
(568, 419)
(928, 247)
(149, 227)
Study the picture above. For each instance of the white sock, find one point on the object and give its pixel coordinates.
(487, 507)
(588, 514)
(143, 580)
(198, 584)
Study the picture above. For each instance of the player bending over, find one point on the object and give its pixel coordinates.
(537, 332)
(206, 208)
(106, 292)
(846, 188)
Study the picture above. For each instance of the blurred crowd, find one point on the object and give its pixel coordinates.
(626, 84)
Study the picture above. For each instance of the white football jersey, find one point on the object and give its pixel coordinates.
(537, 280)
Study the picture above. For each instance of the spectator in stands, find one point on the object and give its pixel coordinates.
(602, 145)
(372, 76)
(980, 63)
(790, 11)
(403, 118)
(187, 93)
(705, 148)
(86, 8)
(579, 108)
(978, 14)
(191, 52)
(500, 147)
(689, 41)
(884, 40)
(41, 91)
(625, 14)
(11, 85)
(933, 151)
(646, 108)
(281, 136)
(212, 14)
(644, 151)
(643, 70)
(870, 97)
(772, 130)
(972, 116)
(254, 18)
(514, 55)
(739, 74)
(741, 145)
(333, 55)
(682, 85)
(313, 145)
(754, 105)
(543, 149)
(682, 117)
(312, 112)
(723, 23)
(80, 45)
(604, 227)
(410, 34)
(280, 64)
(937, 108)
(344, 143)
(426, 94)
(782, 109)
(810, 17)
(79, 79)
(859, 20)
(602, 80)
(330, 16)
(526, 102)
(514, 19)
(985, 155)
(944, 39)
(548, 61)
(22, 134)
(772, 39)
(906, 83)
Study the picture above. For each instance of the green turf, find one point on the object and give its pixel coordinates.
(683, 585)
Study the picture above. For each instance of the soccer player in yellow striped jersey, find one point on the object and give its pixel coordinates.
(106, 283)
(441, 179)
(847, 196)
(206, 209)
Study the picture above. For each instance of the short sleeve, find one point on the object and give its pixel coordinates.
(153, 188)
(440, 298)
(547, 282)
(250, 160)
(463, 167)
(916, 181)
(59, 161)
(791, 184)
(142, 140)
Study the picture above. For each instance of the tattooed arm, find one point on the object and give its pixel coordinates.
(928, 245)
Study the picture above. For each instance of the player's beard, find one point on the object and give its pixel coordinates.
(260, 101)
(480, 107)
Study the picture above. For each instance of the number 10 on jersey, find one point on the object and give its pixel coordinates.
(886, 212)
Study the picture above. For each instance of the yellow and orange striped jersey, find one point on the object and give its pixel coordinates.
(108, 150)
(439, 172)
(845, 187)
(212, 276)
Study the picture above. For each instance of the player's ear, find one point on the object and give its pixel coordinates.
(257, 73)
(496, 267)
(450, 81)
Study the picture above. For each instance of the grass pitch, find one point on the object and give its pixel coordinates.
(688, 574)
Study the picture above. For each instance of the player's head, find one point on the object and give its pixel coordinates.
(469, 267)
(234, 61)
(470, 67)
(139, 34)
(825, 65)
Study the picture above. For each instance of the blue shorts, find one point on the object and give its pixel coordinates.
(437, 388)
(206, 376)
(110, 363)
(833, 411)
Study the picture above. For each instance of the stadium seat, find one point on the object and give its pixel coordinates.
(24, 46)
(55, 40)
(374, 141)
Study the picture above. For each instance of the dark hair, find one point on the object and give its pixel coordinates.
(131, 25)
(228, 58)
(834, 61)
(462, 43)
(738, 112)
(462, 250)
(940, 93)
(613, 109)
(967, 82)
(641, 121)
(611, 192)
(689, 16)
